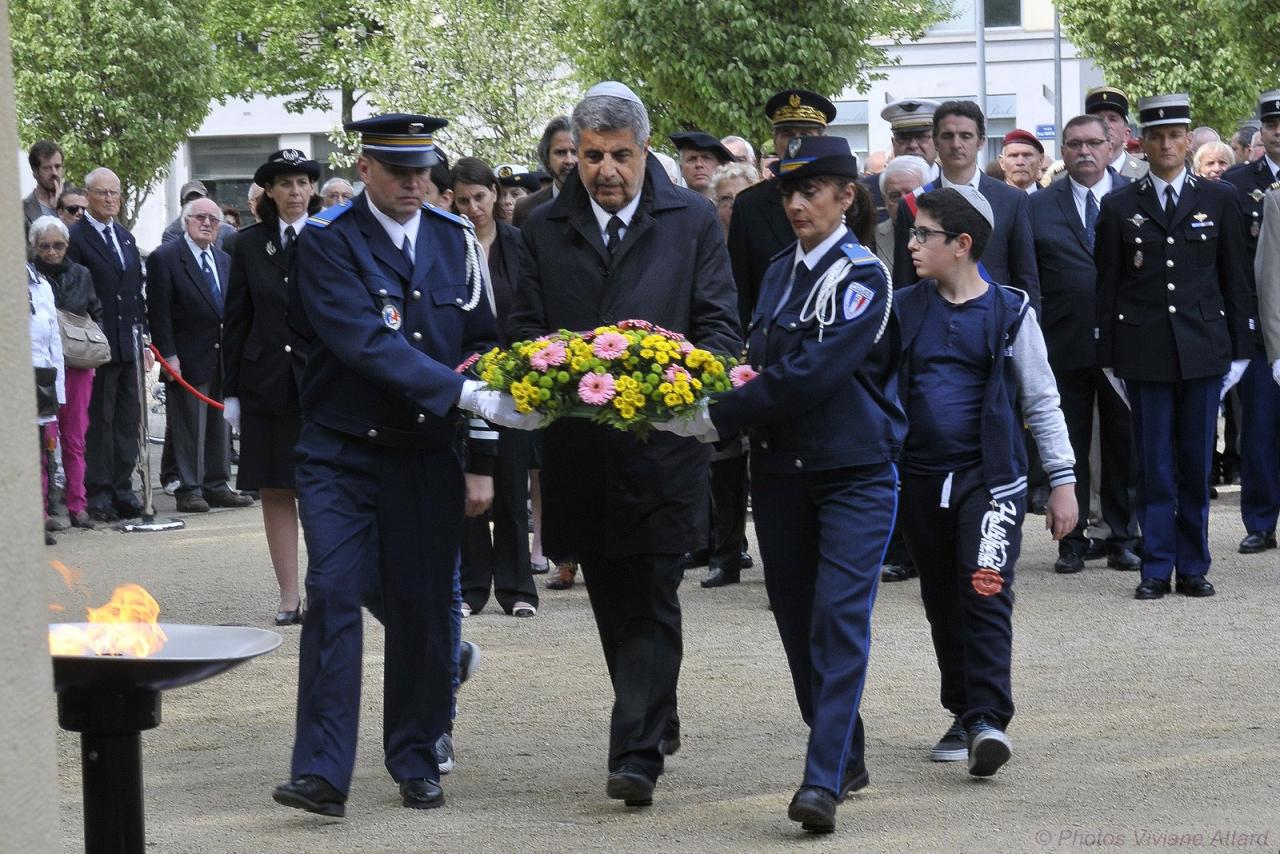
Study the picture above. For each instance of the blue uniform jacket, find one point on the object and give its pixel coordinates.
(386, 338)
(820, 404)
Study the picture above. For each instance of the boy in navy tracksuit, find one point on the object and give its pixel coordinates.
(974, 369)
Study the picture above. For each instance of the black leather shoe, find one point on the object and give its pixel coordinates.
(814, 808)
(1125, 560)
(630, 784)
(1258, 542)
(897, 572)
(313, 794)
(127, 510)
(745, 561)
(104, 514)
(1194, 585)
(1096, 550)
(1151, 588)
(192, 504)
(421, 794)
(718, 576)
(669, 745)
(691, 560)
(227, 498)
(1068, 563)
(855, 779)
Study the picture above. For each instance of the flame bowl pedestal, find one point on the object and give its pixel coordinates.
(110, 700)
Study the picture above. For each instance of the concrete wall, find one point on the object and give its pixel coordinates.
(28, 764)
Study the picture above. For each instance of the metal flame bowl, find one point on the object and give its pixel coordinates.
(191, 654)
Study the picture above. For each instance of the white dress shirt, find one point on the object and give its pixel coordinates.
(603, 217)
(1159, 184)
(297, 227)
(973, 181)
(200, 256)
(1080, 192)
(100, 228)
(399, 231)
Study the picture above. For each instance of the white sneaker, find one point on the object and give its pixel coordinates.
(171, 488)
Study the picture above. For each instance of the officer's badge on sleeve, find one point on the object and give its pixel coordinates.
(391, 317)
(857, 299)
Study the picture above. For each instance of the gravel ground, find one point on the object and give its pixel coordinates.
(1141, 725)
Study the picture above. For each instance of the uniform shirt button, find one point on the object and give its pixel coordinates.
(417, 294)
(286, 280)
(458, 300)
(1120, 316)
(288, 349)
(1204, 237)
(799, 464)
(417, 336)
(1173, 309)
(1171, 287)
(217, 346)
(1169, 263)
(421, 417)
(119, 297)
(382, 292)
(372, 434)
(791, 325)
(1137, 240)
(1168, 240)
(1221, 312)
(764, 443)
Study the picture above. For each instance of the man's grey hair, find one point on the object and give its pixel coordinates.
(189, 206)
(904, 163)
(729, 171)
(751, 151)
(100, 172)
(1209, 149)
(604, 113)
(46, 223)
(333, 182)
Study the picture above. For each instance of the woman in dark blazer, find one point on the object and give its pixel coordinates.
(263, 359)
(500, 560)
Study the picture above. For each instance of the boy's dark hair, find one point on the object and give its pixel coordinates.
(861, 216)
(42, 151)
(967, 109)
(473, 170)
(441, 176)
(957, 216)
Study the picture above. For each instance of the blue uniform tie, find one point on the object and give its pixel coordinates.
(211, 280)
(406, 249)
(1090, 217)
(111, 244)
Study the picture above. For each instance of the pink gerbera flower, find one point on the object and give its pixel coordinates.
(610, 345)
(740, 375)
(596, 389)
(548, 357)
(686, 347)
(674, 373)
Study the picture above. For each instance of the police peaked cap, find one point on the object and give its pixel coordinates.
(399, 139)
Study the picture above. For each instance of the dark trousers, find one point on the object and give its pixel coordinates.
(1173, 426)
(382, 528)
(966, 553)
(501, 559)
(201, 441)
(111, 445)
(637, 613)
(822, 538)
(728, 512)
(1260, 447)
(1079, 389)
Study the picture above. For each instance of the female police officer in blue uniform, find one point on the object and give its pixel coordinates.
(826, 427)
(390, 293)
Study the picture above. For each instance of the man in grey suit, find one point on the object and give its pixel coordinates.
(1266, 269)
(45, 158)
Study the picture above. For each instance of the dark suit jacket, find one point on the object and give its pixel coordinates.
(1010, 256)
(119, 291)
(262, 357)
(185, 320)
(672, 270)
(1252, 182)
(758, 230)
(1068, 277)
(1173, 297)
(526, 206)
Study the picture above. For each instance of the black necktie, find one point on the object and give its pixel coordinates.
(1169, 204)
(406, 249)
(111, 244)
(611, 233)
(1090, 217)
(289, 236)
(211, 280)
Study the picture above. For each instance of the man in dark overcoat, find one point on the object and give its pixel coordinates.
(622, 242)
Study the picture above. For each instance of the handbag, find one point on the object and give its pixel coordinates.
(46, 392)
(83, 343)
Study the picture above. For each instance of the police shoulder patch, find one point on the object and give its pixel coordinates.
(857, 299)
(324, 218)
(444, 214)
(858, 254)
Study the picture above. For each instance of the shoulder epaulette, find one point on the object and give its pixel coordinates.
(324, 218)
(444, 214)
(858, 254)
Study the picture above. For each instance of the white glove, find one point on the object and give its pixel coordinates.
(1118, 385)
(1234, 373)
(499, 408)
(697, 426)
(470, 396)
(1275, 370)
(231, 412)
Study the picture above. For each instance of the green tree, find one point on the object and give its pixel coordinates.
(489, 66)
(1219, 52)
(711, 64)
(117, 83)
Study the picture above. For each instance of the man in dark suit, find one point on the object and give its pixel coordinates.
(108, 250)
(173, 231)
(559, 157)
(1259, 395)
(959, 132)
(622, 242)
(758, 227)
(186, 282)
(1064, 219)
(1174, 316)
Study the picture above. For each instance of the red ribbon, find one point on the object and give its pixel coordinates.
(188, 386)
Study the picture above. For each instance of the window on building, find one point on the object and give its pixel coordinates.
(226, 166)
(321, 148)
(851, 123)
(999, 13)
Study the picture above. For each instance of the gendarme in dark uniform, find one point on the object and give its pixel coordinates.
(1259, 394)
(1174, 311)
(392, 295)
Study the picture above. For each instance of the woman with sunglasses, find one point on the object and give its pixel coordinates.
(73, 292)
(819, 399)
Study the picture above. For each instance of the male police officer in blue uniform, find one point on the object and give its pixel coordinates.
(1260, 396)
(392, 292)
(1174, 314)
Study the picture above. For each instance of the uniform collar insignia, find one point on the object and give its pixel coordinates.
(1137, 220)
(1146, 185)
(1191, 179)
(1256, 195)
(271, 248)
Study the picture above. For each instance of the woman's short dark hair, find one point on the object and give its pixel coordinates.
(957, 216)
(472, 170)
(232, 211)
(861, 216)
(269, 214)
